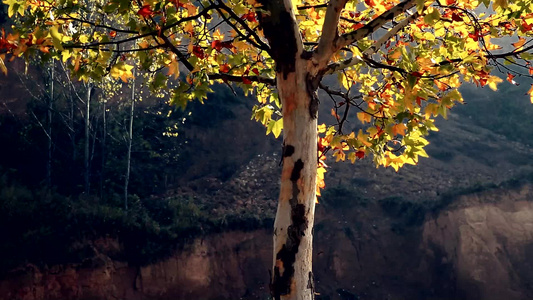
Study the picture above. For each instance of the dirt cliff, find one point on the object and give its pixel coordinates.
(479, 247)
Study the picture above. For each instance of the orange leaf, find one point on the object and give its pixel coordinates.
(520, 43)
(224, 68)
(511, 80)
(333, 113)
(530, 70)
(442, 86)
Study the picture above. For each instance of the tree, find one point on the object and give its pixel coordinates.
(399, 66)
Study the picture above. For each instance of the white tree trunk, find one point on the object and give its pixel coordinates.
(292, 276)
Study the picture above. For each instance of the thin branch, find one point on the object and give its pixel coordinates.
(332, 68)
(258, 42)
(358, 34)
(326, 45)
(312, 6)
(235, 78)
(93, 24)
(154, 32)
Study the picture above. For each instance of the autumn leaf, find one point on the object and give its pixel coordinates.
(364, 117)
(399, 129)
(520, 43)
(145, 11)
(511, 80)
(370, 3)
(198, 52)
(224, 68)
(122, 70)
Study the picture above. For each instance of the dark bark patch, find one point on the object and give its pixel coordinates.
(295, 174)
(288, 150)
(281, 283)
(278, 27)
(312, 83)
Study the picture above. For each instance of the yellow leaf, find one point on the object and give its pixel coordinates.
(364, 117)
(56, 38)
(122, 71)
(3, 65)
(321, 128)
(530, 93)
(361, 137)
(492, 82)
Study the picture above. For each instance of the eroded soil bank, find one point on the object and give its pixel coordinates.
(479, 247)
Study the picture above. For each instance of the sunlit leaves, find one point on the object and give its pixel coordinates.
(394, 89)
(122, 70)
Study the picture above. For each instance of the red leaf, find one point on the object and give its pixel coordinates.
(357, 26)
(216, 44)
(113, 33)
(250, 17)
(370, 3)
(360, 154)
(526, 26)
(256, 71)
(224, 68)
(198, 51)
(456, 17)
(145, 11)
(246, 80)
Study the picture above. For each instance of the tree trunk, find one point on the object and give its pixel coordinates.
(87, 139)
(49, 128)
(130, 139)
(292, 276)
(103, 149)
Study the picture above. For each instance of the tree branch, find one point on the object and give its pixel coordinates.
(358, 34)
(98, 25)
(326, 45)
(258, 43)
(332, 68)
(235, 78)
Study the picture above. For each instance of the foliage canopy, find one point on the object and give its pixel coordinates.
(399, 64)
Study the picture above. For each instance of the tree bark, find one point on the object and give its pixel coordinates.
(87, 139)
(130, 140)
(103, 149)
(292, 276)
(49, 128)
